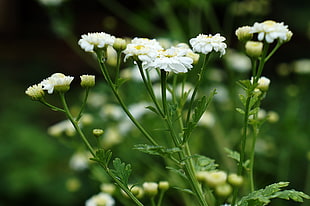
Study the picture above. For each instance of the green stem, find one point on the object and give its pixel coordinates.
(161, 197)
(83, 104)
(118, 63)
(51, 106)
(153, 201)
(198, 83)
(163, 90)
(252, 154)
(120, 100)
(75, 123)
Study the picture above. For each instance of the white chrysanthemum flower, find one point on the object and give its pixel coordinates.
(270, 30)
(101, 199)
(171, 60)
(36, 92)
(90, 41)
(143, 49)
(58, 82)
(207, 43)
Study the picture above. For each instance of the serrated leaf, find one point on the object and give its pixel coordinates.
(103, 156)
(245, 84)
(242, 99)
(263, 196)
(121, 170)
(120, 82)
(204, 163)
(233, 154)
(254, 111)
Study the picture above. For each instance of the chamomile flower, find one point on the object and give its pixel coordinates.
(101, 199)
(58, 82)
(270, 30)
(207, 43)
(142, 49)
(91, 41)
(171, 60)
(36, 92)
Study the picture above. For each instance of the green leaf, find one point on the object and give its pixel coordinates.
(120, 82)
(153, 109)
(204, 163)
(184, 190)
(242, 99)
(241, 111)
(263, 196)
(233, 154)
(254, 111)
(156, 150)
(103, 156)
(245, 84)
(121, 170)
(177, 171)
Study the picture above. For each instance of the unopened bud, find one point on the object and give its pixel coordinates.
(150, 188)
(87, 80)
(223, 190)
(254, 48)
(163, 185)
(98, 132)
(119, 44)
(235, 180)
(244, 33)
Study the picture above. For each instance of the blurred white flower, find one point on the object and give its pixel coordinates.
(302, 66)
(51, 2)
(60, 128)
(112, 111)
(142, 49)
(208, 43)
(111, 137)
(101, 199)
(80, 160)
(58, 82)
(207, 120)
(270, 30)
(90, 41)
(237, 61)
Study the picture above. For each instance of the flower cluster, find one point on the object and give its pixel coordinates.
(268, 31)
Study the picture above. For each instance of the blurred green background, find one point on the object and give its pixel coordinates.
(37, 41)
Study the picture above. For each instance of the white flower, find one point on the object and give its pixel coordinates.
(207, 43)
(150, 188)
(60, 127)
(87, 80)
(90, 41)
(101, 199)
(143, 49)
(35, 92)
(58, 82)
(171, 60)
(79, 161)
(263, 83)
(50, 2)
(237, 61)
(271, 30)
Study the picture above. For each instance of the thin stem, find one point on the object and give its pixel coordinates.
(83, 104)
(163, 90)
(153, 201)
(118, 63)
(75, 124)
(51, 106)
(161, 197)
(252, 154)
(124, 107)
(200, 76)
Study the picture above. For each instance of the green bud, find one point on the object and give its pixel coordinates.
(254, 48)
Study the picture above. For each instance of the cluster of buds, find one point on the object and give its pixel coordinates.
(220, 181)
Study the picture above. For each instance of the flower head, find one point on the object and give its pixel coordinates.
(150, 188)
(36, 92)
(87, 80)
(173, 59)
(101, 199)
(244, 33)
(142, 49)
(58, 82)
(207, 43)
(254, 48)
(91, 41)
(270, 30)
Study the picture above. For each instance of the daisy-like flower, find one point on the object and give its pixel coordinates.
(208, 43)
(270, 30)
(142, 49)
(36, 92)
(101, 199)
(172, 60)
(87, 80)
(91, 41)
(58, 82)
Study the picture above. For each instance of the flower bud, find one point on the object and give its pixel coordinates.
(87, 80)
(137, 191)
(254, 48)
(119, 44)
(244, 33)
(235, 180)
(263, 84)
(150, 188)
(163, 185)
(223, 190)
(98, 132)
(215, 178)
(272, 117)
